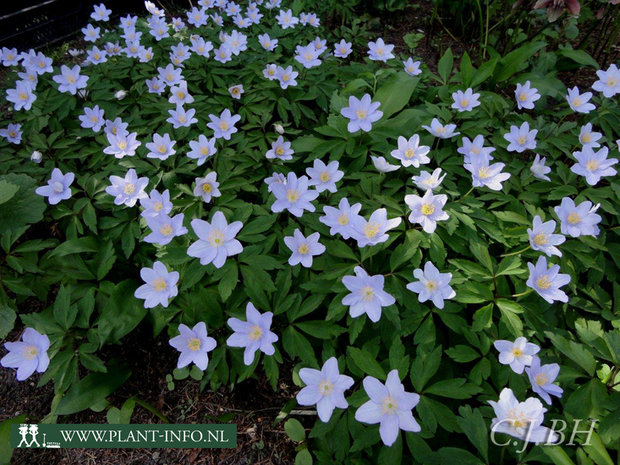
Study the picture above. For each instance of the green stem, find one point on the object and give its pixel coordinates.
(515, 253)
(467, 193)
(521, 294)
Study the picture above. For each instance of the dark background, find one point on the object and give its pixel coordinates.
(26, 24)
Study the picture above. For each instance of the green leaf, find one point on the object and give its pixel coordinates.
(394, 95)
(7, 320)
(25, 206)
(229, 280)
(466, 70)
(366, 362)
(296, 344)
(7, 191)
(445, 65)
(294, 430)
(6, 451)
(73, 246)
(455, 456)
(64, 313)
(557, 454)
(483, 318)
(303, 457)
(575, 351)
(456, 388)
(596, 450)
(484, 72)
(482, 255)
(424, 367)
(516, 60)
(321, 329)
(121, 313)
(462, 353)
(473, 425)
(580, 57)
(92, 389)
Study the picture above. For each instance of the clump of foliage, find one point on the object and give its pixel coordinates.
(83, 259)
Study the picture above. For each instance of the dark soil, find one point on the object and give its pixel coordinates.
(253, 404)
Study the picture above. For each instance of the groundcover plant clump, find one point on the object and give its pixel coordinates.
(434, 254)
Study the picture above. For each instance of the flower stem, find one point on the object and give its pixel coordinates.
(515, 253)
(467, 193)
(521, 294)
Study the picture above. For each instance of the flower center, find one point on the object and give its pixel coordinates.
(303, 249)
(371, 230)
(204, 150)
(577, 101)
(285, 77)
(483, 172)
(325, 387)
(30, 352)
(71, 79)
(541, 379)
(162, 149)
(224, 125)
(517, 419)
(517, 352)
(522, 97)
(441, 129)
(431, 285)
(389, 405)
(23, 96)
(380, 51)
(592, 165)
(122, 145)
(343, 50)
(324, 176)
(94, 119)
(574, 218)
(57, 187)
(292, 195)
(428, 209)
(181, 94)
(343, 219)
(361, 114)
(521, 140)
(255, 333)
(169, 77)
(193, 344)
(280, 151)
(216, 238)
(543, 282)
(409, 153)
(158, 206)
(587, 137)
(464, 102)
(165, 230)
(368, 294)
(611, 81)
(540, 239)
(159, 284)
(129, 188)
(182, 118)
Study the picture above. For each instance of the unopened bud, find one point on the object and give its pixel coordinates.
(36, 156)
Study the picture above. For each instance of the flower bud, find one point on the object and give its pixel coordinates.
(36, 156)
(278, 128)
(121, 94)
